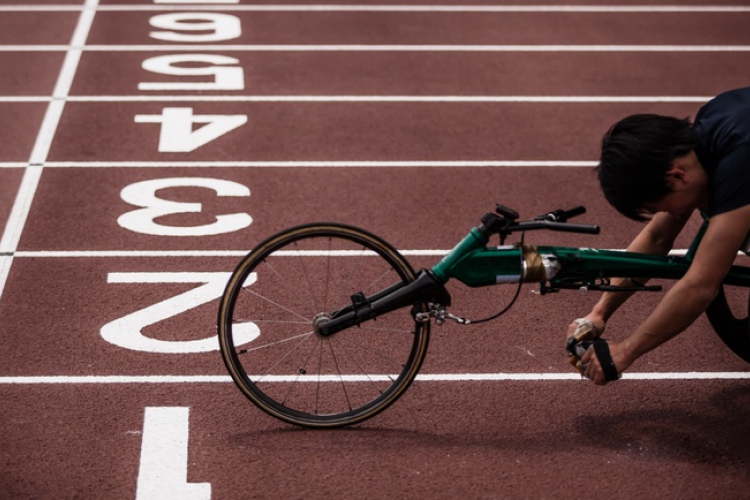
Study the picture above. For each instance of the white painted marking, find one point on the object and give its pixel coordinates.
(131, 253)
(180, 27)
(144, 194)
(5, 264)
(380, 48)
(178, 135)
(35, 48)
(344, 164)
(226, 72)
(115, 379)
(197, 1)
(231, 253)
(27, 189)
(184, 5)
(127, 331)
(20, 210)
(162, 474)
(370, 98)
(22, 98)
(425, 377)
(47, 132)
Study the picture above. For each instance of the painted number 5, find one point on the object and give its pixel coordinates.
(144, 220)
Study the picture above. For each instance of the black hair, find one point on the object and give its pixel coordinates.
(637, 152)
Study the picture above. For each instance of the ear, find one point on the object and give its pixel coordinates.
(677, 172)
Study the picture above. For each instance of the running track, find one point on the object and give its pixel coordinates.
(408, 119)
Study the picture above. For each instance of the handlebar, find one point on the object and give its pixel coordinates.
(553, 226)
(562, 215)
(503, 222)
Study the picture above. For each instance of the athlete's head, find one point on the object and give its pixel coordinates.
(636, 154)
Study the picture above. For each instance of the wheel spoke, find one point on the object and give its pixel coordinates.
(285, 356)
(377, 352)
(239, 321)
(361, 369)
(289, 369)
(338, 370)
(276, 304)
(347, 285)
(287, 285)
(328, 275)
(273, 344)
(369, 287)
(307, 278)
(296, 378)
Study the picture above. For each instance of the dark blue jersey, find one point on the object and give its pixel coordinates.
(722, 130)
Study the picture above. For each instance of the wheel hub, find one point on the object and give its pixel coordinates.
(319, 320)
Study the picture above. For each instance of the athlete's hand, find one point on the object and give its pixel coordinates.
(578, 325)
(581, 330)
(592, 368)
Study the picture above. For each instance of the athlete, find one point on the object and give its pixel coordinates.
(661, 169)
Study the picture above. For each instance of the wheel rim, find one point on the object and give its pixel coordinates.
(729, 319)
(278, 296)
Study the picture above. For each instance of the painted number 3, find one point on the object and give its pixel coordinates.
(144, 220)
(127, 331)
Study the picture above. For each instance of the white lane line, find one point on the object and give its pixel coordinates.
(25, 99)
(426, 377)
(27, 190)
(369, 98)
(237, 253)
(204, 253)
(388, 8)
(17, 218)
(343, 164)
(131, 253)
(379, 48)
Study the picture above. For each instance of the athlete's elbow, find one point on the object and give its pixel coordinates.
(708, 296)
(702, 291)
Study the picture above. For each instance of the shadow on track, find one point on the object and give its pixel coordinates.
(710, 431)
(718, 435)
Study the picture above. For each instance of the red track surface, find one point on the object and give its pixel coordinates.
(70, 270)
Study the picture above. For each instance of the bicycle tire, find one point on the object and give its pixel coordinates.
(290, 371)
(732, 330)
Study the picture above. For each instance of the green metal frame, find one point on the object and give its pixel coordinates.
(475, 264)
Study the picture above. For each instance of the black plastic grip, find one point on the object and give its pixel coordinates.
(572, 228)
(573, 212)
(561, 215)
(555, 226)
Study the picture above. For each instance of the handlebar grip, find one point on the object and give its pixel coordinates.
(571, 228)
(573, 212)
(561, 215)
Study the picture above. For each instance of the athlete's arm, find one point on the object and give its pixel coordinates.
(656, 238)
(688, 298)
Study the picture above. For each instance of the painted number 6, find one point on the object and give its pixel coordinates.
(181, 27)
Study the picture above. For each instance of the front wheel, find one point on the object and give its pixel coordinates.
(731, 327)
(287, 286)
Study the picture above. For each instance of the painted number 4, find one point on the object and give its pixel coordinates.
(178, 135)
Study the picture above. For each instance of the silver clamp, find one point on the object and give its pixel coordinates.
(438, 312)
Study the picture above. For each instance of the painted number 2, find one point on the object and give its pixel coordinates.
(127, 332)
